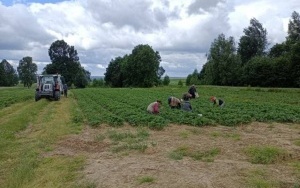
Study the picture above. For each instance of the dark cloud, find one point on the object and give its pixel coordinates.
(136, 14)
(200, 6)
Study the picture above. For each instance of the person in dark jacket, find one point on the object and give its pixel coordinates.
(65, 90)
(186, 105)
(192, 91)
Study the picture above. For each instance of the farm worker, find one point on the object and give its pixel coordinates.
(153, 108)
(174, 102)
(193, 91)
(186, 105)
(57, 87)
(66, 90)
(217, 102)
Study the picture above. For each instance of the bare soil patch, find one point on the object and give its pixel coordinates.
(231, 167)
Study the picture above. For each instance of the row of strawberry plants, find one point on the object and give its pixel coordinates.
(14, 95)
(241, 106)
(100, 104)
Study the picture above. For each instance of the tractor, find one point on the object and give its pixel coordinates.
(49, 86)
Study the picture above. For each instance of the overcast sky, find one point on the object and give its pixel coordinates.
(100, 30)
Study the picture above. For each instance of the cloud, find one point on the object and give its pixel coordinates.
(200, 6)
(101, 30)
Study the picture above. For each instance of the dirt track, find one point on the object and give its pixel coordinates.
(230, 168)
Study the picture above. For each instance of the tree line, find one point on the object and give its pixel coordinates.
(251, 63)
(64, 61)
(141, 68)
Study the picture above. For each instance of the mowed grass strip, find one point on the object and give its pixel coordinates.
(31, 169)
(10, 125)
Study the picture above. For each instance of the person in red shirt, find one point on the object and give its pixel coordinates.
(153, 108)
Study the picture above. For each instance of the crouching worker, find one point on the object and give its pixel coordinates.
(217, 102)
(174, 102)
(153, 108)
(186, 105)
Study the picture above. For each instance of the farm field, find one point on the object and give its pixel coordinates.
(103, 137)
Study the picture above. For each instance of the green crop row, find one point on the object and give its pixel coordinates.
(117, 106)
(14, 95)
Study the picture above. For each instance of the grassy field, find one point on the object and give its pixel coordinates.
(103, 137)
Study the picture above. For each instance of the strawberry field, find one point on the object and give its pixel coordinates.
(118, 106)
(9, 96)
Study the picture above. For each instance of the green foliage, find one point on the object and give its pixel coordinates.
(82, 78)
(265, 154)
(166, 80)
(128, 140)
(27, 71)
(8, 75)
(254, 42)
(116, 106)
(193, 78)
(259, 72)
(97, 82)
(139, 69)
(294, 28)
(65, 61)
(222, 67)
(145, 179)
(14, 95)
(114, 75)
(185, 151)
(180, 83)
(260, 179)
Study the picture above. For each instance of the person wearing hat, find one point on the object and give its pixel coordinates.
(174, 102)
(217, 102)
(153, 108)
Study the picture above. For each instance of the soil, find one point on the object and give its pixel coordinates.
(230, 168)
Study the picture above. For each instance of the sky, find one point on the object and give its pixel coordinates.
(182, 31)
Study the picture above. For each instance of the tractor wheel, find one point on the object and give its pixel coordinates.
(57, 95)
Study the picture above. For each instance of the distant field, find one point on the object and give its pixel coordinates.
(175, 80)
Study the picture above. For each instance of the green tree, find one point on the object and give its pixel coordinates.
(279, 50)
(114, 75)
(180, 83)
(223, 65)
(65, 61)
(254, 42)
(142, 67)
(27, 71)
(259, 71)
(82, 78)
(8, 75)
(294, 28)
(166, 80)
(97, 82)
(295, 64)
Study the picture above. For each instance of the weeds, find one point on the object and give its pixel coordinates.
(259, 178)
(184, 151)
(265, 154)
(129, 141)
(297, 142)
(145, 179)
